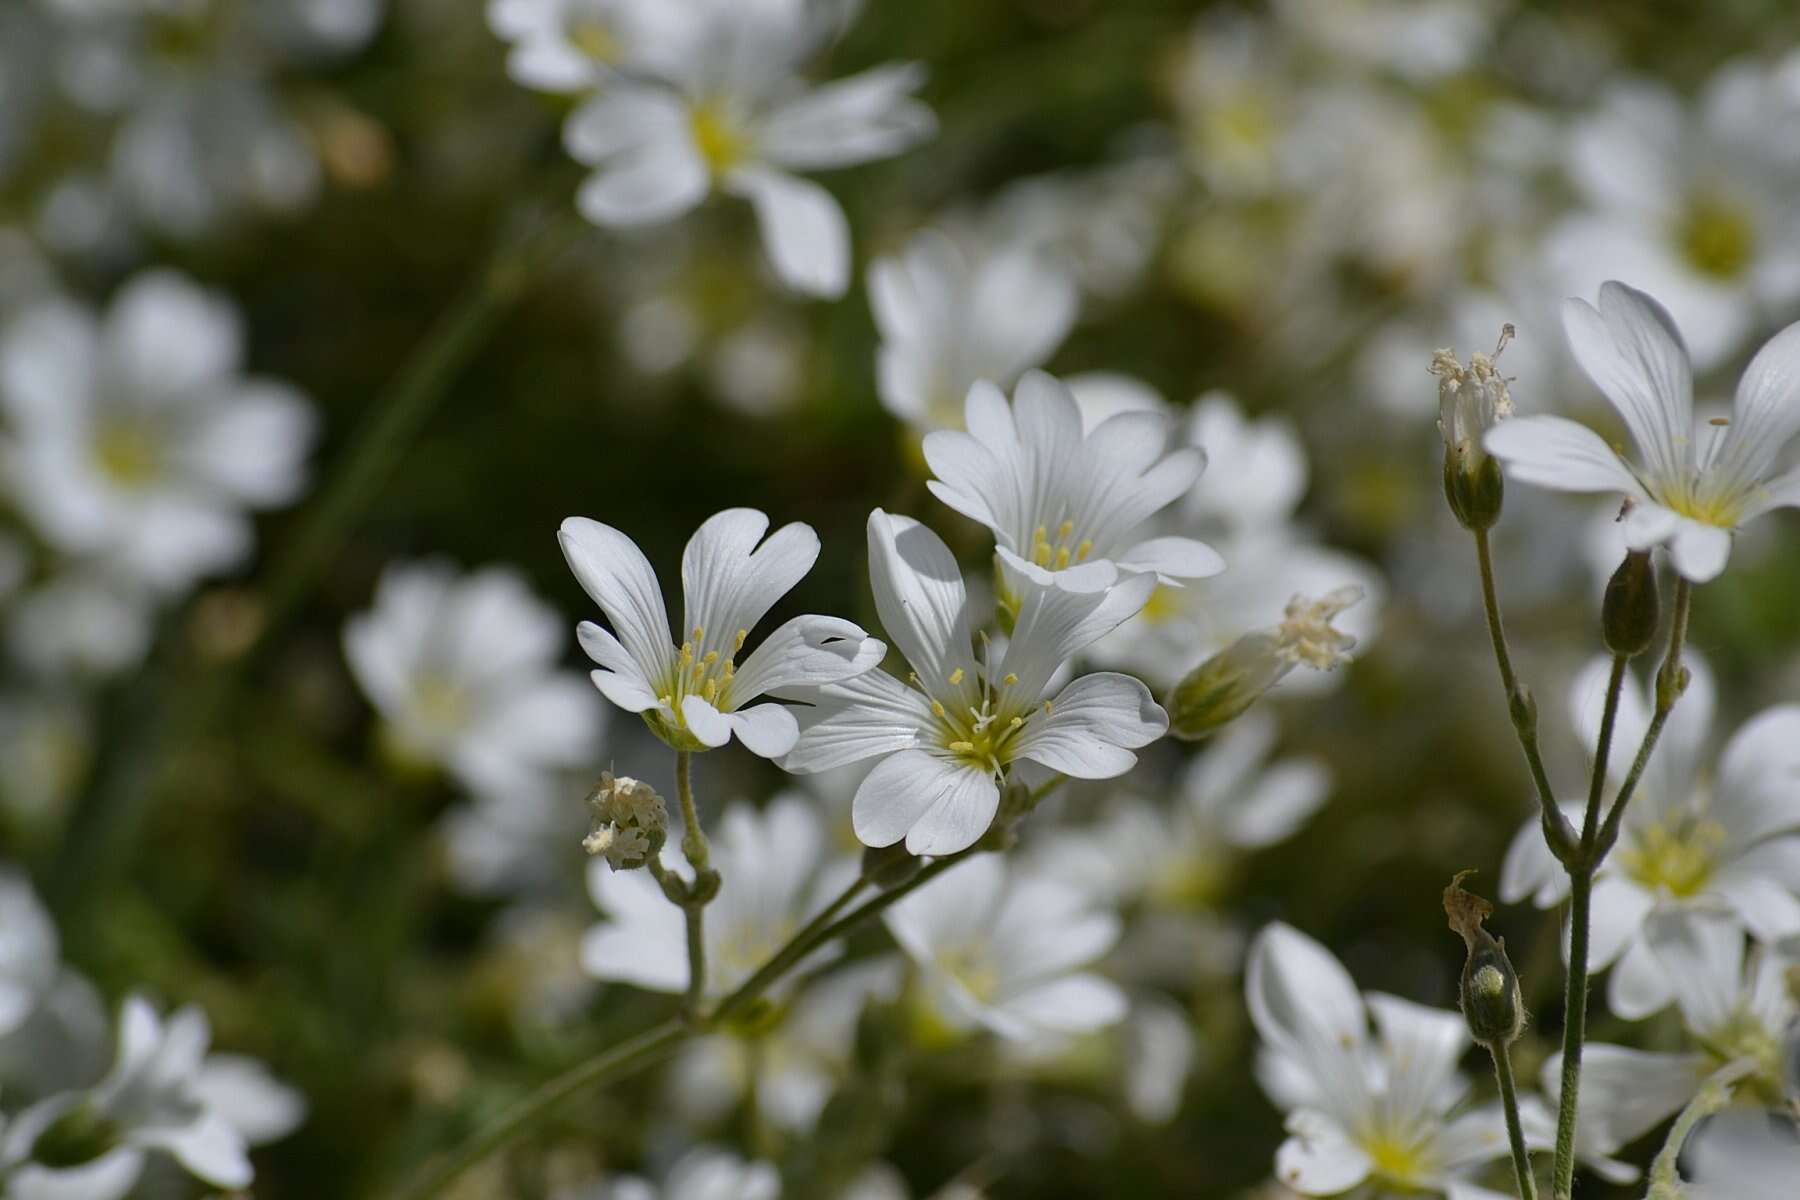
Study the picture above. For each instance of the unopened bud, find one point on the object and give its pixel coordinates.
(1222, 689)
(630, 822)
(1631, 609)
(1491, 1001)
(887, 867)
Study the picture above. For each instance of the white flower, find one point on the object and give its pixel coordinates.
(1685, 204)
(135, 438)
(1066, 505)
(1244, 504)
(946, 743)
(775, 875)
(1003, 951)
(1742, 1155)
(947, 321)
(1697, 482)
(463, 671)
(162, 1094)
(1358, 1111)
(1732, 1006)
(1725, 841)
(733, 116)
(703, 1173)
(81, 623)
(29, 961)
(1230, 800)
(696, 697)
(580, 45)
(790, 1070)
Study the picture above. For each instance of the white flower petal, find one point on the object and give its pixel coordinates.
(109, 1177)
(1626, 1093)
(1319, 1158)
(1557, 453)
(241, 1090)
(255, 446)
(1699, 551)
(871, 714)
(209, 1148)
(905, 788)
(622, 681)
(1173, 558)
(615, 573)
(1306, 1007)
(1276, 804)
(1649, 524)
(621, 119)
(803, 229)
(49, 355)
(1619, 909)
(644, 942)
(1092, 726)
(1530, 869)
(169, 340)
(1072, 1004)
(919, 594)
(1765, 414)
(644, 187)
(705, 722)
(1703, 957)
(1422, 1047)
(849, 121)
(1632, 351)
(806, 652)
(767, 730)
(1753, 797)
(729, 581)
(1638, 986)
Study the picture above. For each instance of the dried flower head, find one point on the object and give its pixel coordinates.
(630, 821)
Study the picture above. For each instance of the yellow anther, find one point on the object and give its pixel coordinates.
(1040, 554)
(1040, 534)
(1062, 558)
(1064, 530)
(1083, 550)
(687, 653)
(711, 689)
(1016, 722)
(699, 635)
(1046, 706)
(913, 678)
(963, 747)
(1010, 679)
(737, 643)
(956, 677)
(937, 710)
(710, 657)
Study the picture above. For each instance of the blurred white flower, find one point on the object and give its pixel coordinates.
(949, 320)
(1358, 1111)
(81, 624)
(162, 1094)
(703, 1173)
(1685, 204)
(581, 45)
(1245, 505)
(732, 115)
(28, 950)
(694, 697)
(948, 741)
(792, 1068)
(135, 439)
(776, 872)
(1067, 505)
(1733, 1007)
(1741, 1155)
(1690, 838)
(1418, 40)
(1159, 1053)
(1697, 482)
(462, 669)
(1230, 800)
(1003, 951)
(1101, 225)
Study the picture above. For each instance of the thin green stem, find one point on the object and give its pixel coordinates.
(1515, 1131)
(1714, 1095)
(432, 1182)
(693, 838)
(797, 948)
(1590, 823)
(1520, 706)
(1670, 681)
(1581, 886)
(696, 947)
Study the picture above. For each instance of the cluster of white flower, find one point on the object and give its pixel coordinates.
(73, 1127)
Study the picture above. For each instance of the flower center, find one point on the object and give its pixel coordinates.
(1061, 552)
(441, 702)
(706, 674)
(1401, 1158)
(1163, 606)
(973, 967)
(719, 136)
(595, 38)
(1716, 237)
(1679, 860)
(982, 734)
(128, 454)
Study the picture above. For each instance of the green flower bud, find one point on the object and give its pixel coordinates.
(887, 867)
(1474, 487)
(1631, 609)
(1471, 401)
(1491, 1000)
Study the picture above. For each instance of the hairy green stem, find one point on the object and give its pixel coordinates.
(1714, 1094)
(1581, 889)
(797, 948)
(1520, 706)
(1515, 1130)
(1671, 680)
(693, 838)
(1590, 823)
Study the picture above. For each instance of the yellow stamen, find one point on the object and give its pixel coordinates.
(956, 677)
(1010, 679)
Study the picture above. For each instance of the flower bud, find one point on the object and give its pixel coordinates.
(1471, 401)
(1491, 1001)
(1631, 609)
(1221, 689)
(887, 867)
(630, 822)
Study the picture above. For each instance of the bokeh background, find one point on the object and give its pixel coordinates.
(1290, 203)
